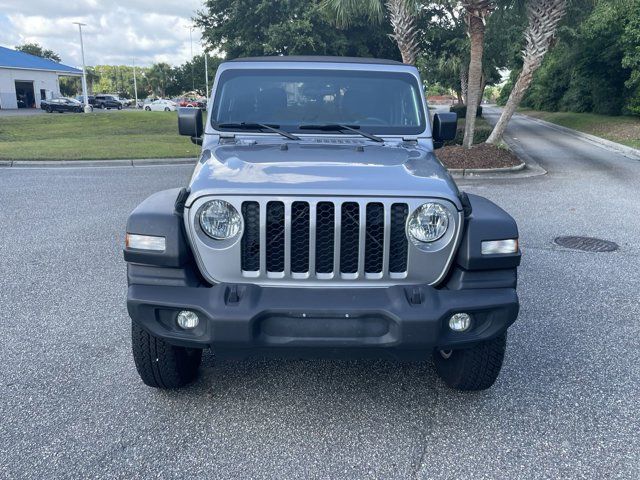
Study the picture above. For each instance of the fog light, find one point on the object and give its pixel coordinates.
(187, 319)
(460, 322)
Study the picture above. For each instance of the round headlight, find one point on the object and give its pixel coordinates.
(220, 220)
(428, 223)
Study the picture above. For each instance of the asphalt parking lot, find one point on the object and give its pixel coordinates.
(566, 404)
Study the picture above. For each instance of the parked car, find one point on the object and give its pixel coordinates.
(192, 103)
(108, 102)
(161, 105)
(90, 98)
(318, 221)
(62, 104)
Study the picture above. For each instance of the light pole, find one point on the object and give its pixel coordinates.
(193, 80)
(135, 84)
(206, 75)
(87, 107)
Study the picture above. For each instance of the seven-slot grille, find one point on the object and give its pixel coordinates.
(324, 239)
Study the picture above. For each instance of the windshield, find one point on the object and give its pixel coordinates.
(378, 102)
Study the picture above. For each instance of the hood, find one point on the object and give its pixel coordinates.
(350, 168)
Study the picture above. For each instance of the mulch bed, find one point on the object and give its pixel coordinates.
(482, 155)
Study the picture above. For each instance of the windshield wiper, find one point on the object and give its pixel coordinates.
(258, 126)
(336, 127)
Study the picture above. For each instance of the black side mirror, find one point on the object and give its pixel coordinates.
(445, 126)
(190, 123)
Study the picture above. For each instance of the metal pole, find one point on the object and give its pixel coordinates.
(193, 80)
(87, 107)
(206, 75)
(135, 84)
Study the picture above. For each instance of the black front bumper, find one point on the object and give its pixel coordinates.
(244, 319)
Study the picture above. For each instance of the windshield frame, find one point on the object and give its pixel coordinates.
(423, 112)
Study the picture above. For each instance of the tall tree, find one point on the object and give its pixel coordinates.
(37, 50)
(477, 12)
(241, 28)
(402, 16)
(543, 19)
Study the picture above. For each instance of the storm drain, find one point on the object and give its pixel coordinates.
(586, 244)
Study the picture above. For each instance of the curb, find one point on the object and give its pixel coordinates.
(136, 162)
(629, 152)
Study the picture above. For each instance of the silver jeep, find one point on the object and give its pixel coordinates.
(319, 222)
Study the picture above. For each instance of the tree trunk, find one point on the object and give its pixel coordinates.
(464, 84)
(544, 16)
(405, 32)
(459, 95)
(476, 33)
(483, 85)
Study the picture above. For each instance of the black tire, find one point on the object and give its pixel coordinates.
(160, 364)
(475, 368)
(49, 110)
(148, 109)
(119, 107)
(166, 109)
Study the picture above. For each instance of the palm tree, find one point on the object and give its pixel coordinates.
(543, 18)
(477, 13)
(402, 15)
(159, 76)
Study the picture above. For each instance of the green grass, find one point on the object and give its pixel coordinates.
(94, 136)
(622, 129)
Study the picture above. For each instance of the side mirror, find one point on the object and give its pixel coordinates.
(445, 126)
(190, 123)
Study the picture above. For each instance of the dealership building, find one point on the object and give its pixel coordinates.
(26, 79)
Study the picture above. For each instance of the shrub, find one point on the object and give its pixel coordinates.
(461, 110)
(480, 134)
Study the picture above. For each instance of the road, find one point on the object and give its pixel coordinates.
(566, 404)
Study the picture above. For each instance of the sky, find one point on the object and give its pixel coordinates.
(117, 31)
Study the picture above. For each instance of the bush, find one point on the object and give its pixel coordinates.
(461, 110)
(480, 134)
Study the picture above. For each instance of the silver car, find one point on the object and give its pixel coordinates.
(318, 221)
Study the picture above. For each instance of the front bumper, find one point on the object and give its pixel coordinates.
(397, 320)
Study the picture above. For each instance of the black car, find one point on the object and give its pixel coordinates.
(62, 104)
(91, 99)
(107, 101)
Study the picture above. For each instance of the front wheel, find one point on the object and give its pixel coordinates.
(475, 368)
(160, 364)
(148, 109)
(166, 109)
(119, 107)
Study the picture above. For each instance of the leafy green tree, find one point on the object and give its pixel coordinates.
(160, 79)
(402, 15)
(37, 50)
(543, 19)
(242, 28)
(591, 69)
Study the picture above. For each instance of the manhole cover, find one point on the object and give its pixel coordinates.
(586, 244)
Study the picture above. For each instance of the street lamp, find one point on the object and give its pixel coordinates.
(87, 107)
(193, 80)
(135, 83)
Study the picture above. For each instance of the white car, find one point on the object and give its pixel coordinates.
(161, 105)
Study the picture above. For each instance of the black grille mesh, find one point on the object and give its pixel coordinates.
(349, 237)
(300, 237)
(375, 238)
(251, 239)
(325, 231)
(325, 237)
(398, 240)
(275, 237)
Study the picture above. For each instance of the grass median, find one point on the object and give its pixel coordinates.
(94, 136)
(621, 129)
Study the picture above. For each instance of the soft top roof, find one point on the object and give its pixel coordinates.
(319, 59)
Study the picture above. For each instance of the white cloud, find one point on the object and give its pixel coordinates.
(116, 31)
